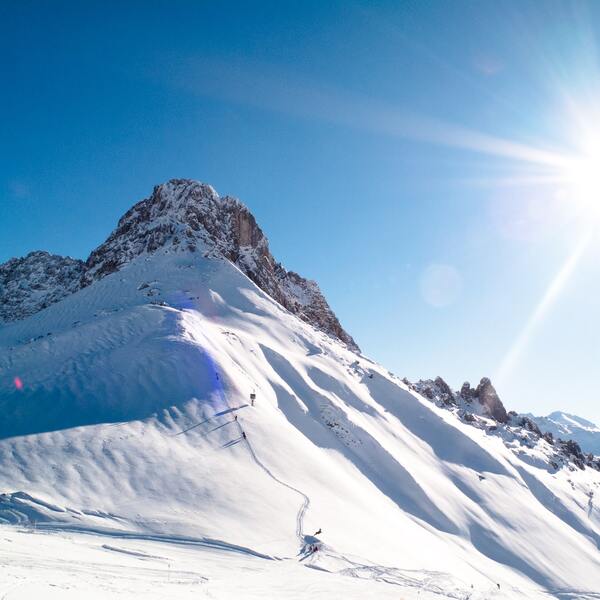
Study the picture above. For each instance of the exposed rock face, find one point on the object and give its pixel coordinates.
(186, 216)
(467, 392)
(437, 390)
(490, 403)
(182, 214)
(444, 387)
(489, 399)
(31, 283)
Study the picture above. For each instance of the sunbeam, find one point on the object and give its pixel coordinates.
(552, 292)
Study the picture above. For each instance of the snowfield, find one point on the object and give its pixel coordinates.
(125, 472)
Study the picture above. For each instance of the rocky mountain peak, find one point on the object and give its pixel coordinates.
(489, 399)
(182, 215)
(179, 213)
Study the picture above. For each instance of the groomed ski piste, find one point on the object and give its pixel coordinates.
(125, 472)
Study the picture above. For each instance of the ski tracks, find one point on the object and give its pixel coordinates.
(305, 499)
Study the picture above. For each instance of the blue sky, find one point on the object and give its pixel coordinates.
(403, 154)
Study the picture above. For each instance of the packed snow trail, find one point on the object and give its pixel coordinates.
(306, 499)
(305, 503)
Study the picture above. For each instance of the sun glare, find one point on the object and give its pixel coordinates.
(583, 181)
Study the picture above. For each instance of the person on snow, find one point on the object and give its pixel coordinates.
(318, 532)
(235, 417)
(244, 434)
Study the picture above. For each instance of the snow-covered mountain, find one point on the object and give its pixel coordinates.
(567, 426)
(179, 216)
(190, 401)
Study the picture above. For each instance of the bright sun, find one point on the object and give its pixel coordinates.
(582, 176)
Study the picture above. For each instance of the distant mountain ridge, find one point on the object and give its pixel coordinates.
(568, 426)
(482, 408)
(181, 215)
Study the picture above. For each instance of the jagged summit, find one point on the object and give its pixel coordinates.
(184, 216)
(180, 213)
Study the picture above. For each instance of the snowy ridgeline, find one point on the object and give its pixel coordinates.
(175, 423)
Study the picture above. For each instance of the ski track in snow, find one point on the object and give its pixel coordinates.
(305, 499)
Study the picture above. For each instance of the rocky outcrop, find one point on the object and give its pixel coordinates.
(437, 390)
(489, 399)
(467, 392)
(31, 283)
(184, 216)
(478, 406)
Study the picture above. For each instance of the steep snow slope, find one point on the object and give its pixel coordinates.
(566, 426)
(124, 424)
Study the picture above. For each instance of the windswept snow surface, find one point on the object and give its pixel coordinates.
(123, 451)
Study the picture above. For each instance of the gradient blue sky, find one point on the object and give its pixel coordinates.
(385, 149)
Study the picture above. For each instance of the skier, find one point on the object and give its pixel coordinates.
(235, 417)
(244, 434)
(318, 532)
